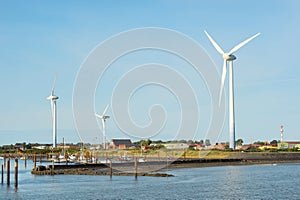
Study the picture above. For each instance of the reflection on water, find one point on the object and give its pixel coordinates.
(228, 182)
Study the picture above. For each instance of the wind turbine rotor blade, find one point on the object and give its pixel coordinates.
(54, 82)
(237, 47)
(104, 112)
(99, 116)
(218, 48)
(224, 71)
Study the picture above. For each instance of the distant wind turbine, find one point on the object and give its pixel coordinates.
(53, 99)
(230, 58)
(103, 118)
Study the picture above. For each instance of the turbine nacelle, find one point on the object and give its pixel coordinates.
(52, 97)
(228, 57)
(105, 117)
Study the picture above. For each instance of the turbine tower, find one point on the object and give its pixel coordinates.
(229, 57)
(53, 99)
(103, 118)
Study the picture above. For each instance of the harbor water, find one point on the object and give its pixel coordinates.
(272, 181)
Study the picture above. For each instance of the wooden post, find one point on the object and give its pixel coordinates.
(110, 167)
(145, 157)
(135, 167)
(16, 173)
(158, 156)
(25, 160)
(2, 173)
(34, 161)
(8, 172)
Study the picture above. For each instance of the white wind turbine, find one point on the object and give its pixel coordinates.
(53, 99)
(103, 118)
(230, 58)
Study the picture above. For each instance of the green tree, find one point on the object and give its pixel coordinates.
(146, 142)
(273, 142)
(239, 142)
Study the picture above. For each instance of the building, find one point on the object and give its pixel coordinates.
(288, 145)
(121, 144)
(294, 144)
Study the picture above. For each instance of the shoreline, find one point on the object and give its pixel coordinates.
(241, 163)
(158, 168)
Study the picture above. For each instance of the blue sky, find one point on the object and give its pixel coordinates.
(42, 38)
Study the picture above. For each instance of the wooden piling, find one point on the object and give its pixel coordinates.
(135, 167)
(8, 172)
(34, 161)
(16, 173)
(110, 167)
(25, 160)
(2, 173)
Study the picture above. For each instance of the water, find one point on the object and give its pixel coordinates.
(227, 182)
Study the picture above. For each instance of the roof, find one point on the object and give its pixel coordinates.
(293, 142)
(118, 142)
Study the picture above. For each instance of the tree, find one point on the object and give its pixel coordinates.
(146, 142)
(273, 142)
(239, 142)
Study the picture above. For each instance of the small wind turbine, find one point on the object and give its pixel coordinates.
(103, 118)
(230, 58)
(53, 99)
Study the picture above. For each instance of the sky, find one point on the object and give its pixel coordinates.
(41, 40)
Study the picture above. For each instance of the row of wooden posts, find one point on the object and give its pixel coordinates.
(135, 168)
(16, 166)
(7, 167)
